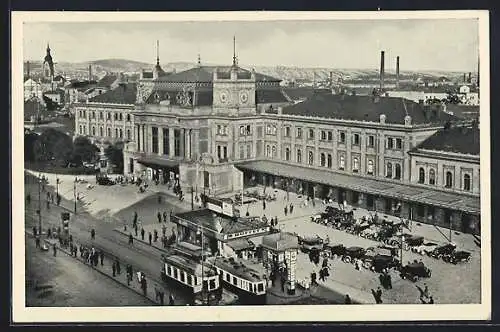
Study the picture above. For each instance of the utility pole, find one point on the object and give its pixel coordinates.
(74, 193)
(57, 189)
(451, 222)
(402, 243)
(40, 204)
(192, 198)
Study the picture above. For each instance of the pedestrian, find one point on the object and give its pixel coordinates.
(171, 300)
(70, 238)
(164, 216)
(113, 267)
(37, 241)
(58, 199)
(135, 229)
(156, 235)
(389, 281)
(313, 278)
(134, 223)
(150, 237)
(54, 247)
(34, 231)
(431, 300)
(275, 221)
(159, 217)
(286, 211)
(162, 296)
(101, 254)
(263, 204)
(48, 205)
(92, 234)
(142, 233)
(49, 233)
(164, 230)
(130, 239)
(291, 208)
(356, 265)
(347, 299)
(52, 198)
(118, 267)
(157, 293)
(379, 295)
(144, 285)
(426, 290)
(28, 199)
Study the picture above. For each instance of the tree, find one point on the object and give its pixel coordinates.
(30, 140)
(54, 145)
(452, 98)
(114, 153)
(83, 151)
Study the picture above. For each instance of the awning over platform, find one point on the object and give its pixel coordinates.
(406, 192)
(158, 162)
(240, 244)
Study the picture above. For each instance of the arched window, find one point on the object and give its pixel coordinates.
(342, 162)
(432, 176)
(369, 169)
(101, 132)
(128, 117)
(466, 182)
(310, 158)
(322, 159)
(93, 115)
(449, 180)
(274, 152)
(329, 161)
(109, 132)
(93, 131)
(299, 156)
(100, 116)
(268, 150)
(389, 170)
(81, 131)
(121, 133)
(397, 171)
(121, 116)
(287, 154)
(355, 165)
(116, 132)
(421, 175)
(128, 134)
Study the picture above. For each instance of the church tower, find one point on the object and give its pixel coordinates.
(157, 70)
(48, 65)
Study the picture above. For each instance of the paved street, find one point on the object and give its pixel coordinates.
(62, 281)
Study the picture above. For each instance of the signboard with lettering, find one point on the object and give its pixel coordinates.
(291, 263)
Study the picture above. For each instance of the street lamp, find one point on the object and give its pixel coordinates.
(402, 243)
(57, 190)
(74, 192)
(40, 203)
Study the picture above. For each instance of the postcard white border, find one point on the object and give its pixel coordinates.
(316, 313)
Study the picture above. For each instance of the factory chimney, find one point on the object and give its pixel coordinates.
(465, 77)
(469, 80)
(28, 69)
(382, 69)
(397, 72)
(90, 73)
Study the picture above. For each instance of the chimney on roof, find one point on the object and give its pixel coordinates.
(382, 69)
(397, 72)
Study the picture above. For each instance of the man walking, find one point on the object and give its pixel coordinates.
(101, 254)
(164, 216)
(291, 208)
(55, 249)
(162, 296)
(118, 267)
(150, 238)
(171, 300)
(130, 239)
(159, 217)
(142, 233)
(286, 211)
(155, 235)
(113, 267)
(92, 234)
(34, 231)
(134, 223)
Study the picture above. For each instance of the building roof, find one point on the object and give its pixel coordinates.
(299, 93)
(367, 108)
(82, 84)
(205, 74)
(240, 244)
(280, 241)
(266, 96)
(107, 80)
(31, 107)
(238, 268)
(123, 94)
(191, 266)
(464, 111)
(464, 140)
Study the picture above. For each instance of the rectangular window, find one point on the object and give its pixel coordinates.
(242, 130)
(177, 142)
(228, 277)
(183, 278)
(212, 284)
(235, 281)
(311, 134)
(287, 131)
(355, 139)
(399, 143)
(259, 131)
(371, 141)
(219, 130)
(342, 137)
(154, 133)
(219, 152)
(249, 130)
(166, 141)
(390, 143)
(225, 152)
(190, 279)
(299, 132)
(323, 135)
(330, 136)
(169, 270)
(249, 151)
(242, 151)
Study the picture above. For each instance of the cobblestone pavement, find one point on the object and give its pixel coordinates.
(63, 281)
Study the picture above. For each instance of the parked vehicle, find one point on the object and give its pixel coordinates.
(412, 241)
(352, 253)
(459, 257)
(443, 251)
(335, 250)
(425, 248)
(104, 180)
(379, 259)
(415, 271)
(308, 243)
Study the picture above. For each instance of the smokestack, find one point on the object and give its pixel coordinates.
(470, 78)
(465, 78)
(397, 72)
(382, 69)
(90, 73)
(28, 69)
(331, 79)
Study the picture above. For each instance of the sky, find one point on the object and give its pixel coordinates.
(421, 44)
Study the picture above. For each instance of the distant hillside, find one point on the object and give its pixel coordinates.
(284, 72)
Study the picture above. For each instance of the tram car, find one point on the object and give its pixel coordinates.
(200, 282)
(247, 283)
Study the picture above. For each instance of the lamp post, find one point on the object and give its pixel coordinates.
(200, 232)
(57, 189)
(192, 198)
(402, 243)
(451, 223)
(40, 204)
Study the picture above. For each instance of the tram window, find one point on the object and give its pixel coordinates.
(169, 269)
(228, 277)
(190, 280)
(183, 278)
(176, 275)
(235, 281)
(260, 287)
(195, 280)
(205, 284)
(212, 284)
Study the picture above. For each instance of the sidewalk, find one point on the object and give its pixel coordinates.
(148, 228)
(107, 271)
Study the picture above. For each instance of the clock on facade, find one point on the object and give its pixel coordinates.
(223, 97)
(244, 97)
